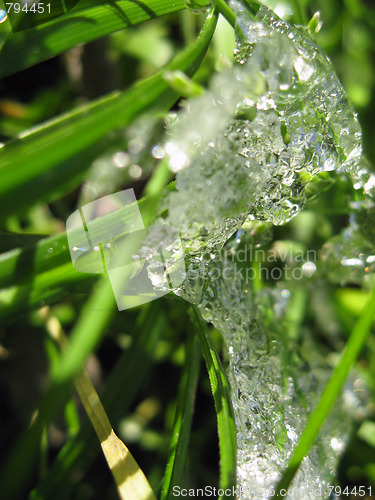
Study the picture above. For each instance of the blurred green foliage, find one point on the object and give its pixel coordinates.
(141, 357)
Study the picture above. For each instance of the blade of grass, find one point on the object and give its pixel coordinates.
(332, 390)
(226, 11)
(223, 402)
(90, 328)
(44, 289)
(58, 181)
(29, 255)
(129, 478)
(8, 240)
(299, 12)
(41, 149)
(80, 25)
(43, 273)
(19, 265)
(183, 418)
(134, 364)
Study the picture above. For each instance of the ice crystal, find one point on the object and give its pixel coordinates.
(349, 258)
(364, 179)
(274, 383)
(247, 147)
(243, 152)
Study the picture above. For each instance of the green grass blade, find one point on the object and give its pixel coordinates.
(44, 289)
(47, 146)
(9, 241)
(226, 11)
(41, 274)
(29, 260)
(85, 337)
(183, 418)
(223, 403)
(299, 13)
(55, 183)
(29, 47)
(332, 390)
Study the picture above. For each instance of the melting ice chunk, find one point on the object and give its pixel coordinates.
(245, 151)
(265, 128)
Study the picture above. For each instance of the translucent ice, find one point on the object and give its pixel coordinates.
(244, 151)
(274, 382)
(364, 178)
(349, 258)
(247, 147)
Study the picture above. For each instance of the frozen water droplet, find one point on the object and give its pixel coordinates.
(353, 262)
(171, 119)
(304, 70)
(308, 268)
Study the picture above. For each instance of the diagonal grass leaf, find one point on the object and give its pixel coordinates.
(183, 418)
(23, 49)
(129, 478)
(331, 392)
(223, 402)
(43, 148)
(134, 364)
